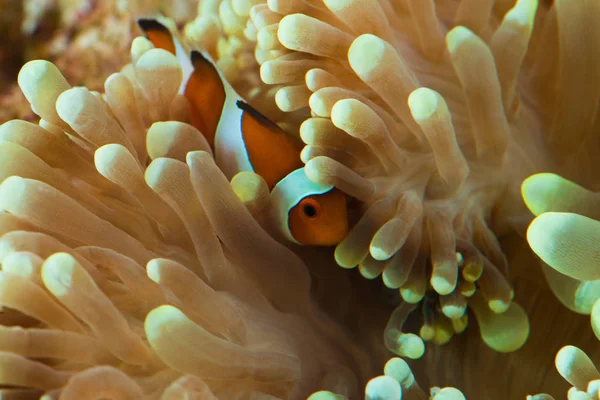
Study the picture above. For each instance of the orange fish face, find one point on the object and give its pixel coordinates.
(320, 220)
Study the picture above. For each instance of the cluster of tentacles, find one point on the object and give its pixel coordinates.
(117, 224)
(416, 121)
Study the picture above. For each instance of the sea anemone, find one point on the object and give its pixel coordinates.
(122, 273)
(132, 268)
(123, 277)
(415, 112)
(566, 235)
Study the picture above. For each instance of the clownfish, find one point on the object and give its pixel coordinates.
(242, 139)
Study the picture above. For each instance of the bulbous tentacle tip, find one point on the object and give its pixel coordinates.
(326, 395)
(568, 243)
(408, 345)
(42, 83)
(446, 393)
(39, 72)
(540, 396)
(174, 139)
(503, 332)
(384, 388)
(576, 367)
(546, 192)
(366, 54)
(595, 318)
(396, 383)
(303, 33)
(251, 188)
(457, 36)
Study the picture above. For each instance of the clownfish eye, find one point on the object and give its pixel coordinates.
(310, 211)
(310, 208)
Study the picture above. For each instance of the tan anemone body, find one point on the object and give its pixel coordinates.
(431, 115)
(118, 248)
(131, 268)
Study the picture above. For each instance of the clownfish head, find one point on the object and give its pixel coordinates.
(309, 213)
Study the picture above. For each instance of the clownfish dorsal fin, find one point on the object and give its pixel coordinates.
(158, 34)
(272, 153)
(202, 85)
(206, 93)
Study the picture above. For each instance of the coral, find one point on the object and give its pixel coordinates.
(87, 39)
(10, 56)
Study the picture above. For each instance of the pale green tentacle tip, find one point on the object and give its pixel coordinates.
(457, 36)
(383, 388)
(326, 395)
(540, 396)
(504, 333)
(595, 317)
(399, 369)
(447, 393)
(569, 243)
(406, 345)
(523, 13)
(586, 296)
(576, 367)
(546, 192)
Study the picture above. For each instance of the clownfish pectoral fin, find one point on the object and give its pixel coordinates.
(272, 153)
(158, 34)
(206, 93)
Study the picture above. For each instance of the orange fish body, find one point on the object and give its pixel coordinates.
(243, 139)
